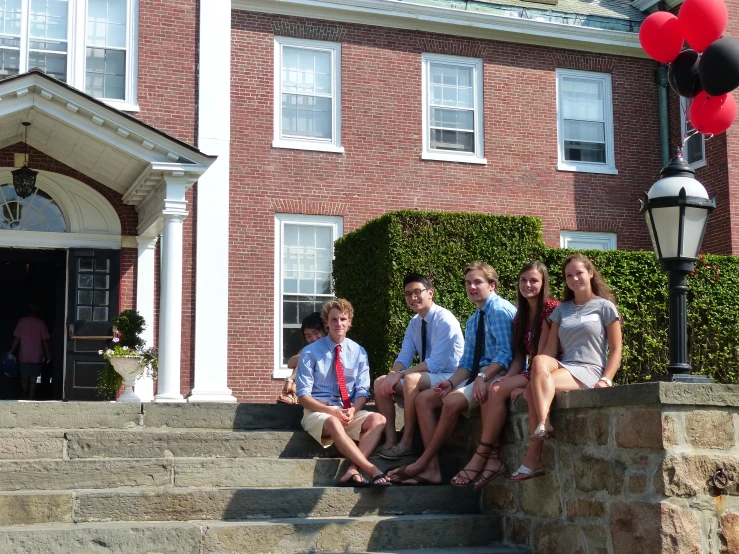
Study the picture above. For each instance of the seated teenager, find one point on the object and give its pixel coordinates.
(333, 387)
(587, 326)
(312, 330)
(487, 352)
(530, 333)
(436, 336)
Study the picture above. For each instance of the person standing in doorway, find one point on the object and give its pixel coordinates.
(32, 335)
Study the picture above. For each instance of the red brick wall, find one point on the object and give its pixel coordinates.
(129, 257)
(167, 96)
(728, 217)
(381, 170)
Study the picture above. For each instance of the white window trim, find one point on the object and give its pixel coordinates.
(478, 156)
(320, 145)
(608, 168)
(608, 239)
(337, 224)
(683, 126)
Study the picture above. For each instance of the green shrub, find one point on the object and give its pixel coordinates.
(371, 262)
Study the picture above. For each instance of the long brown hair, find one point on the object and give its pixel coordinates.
(597, 283)
(521, 322)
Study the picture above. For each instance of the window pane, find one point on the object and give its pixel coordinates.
(452, 119)
(694, 149)
(84, 313)
(106, 23)
(10, 17)
(585, 152)
(451, 86)
(53, 64)
(38, 212)
(306, 116)
(106, 72)
(584, 130)
(84, 297)
(85, 264)
(48, 19)
(583, 99)
(306, 71)
(100, 314)
(101, 297)
(84, 281)
(457, 141)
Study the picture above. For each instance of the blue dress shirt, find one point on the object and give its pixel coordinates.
(499, 315)
(446, 344)
(316, 375)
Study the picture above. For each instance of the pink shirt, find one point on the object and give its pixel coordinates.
(31, 331)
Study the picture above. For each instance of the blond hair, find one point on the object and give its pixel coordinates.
(341, 304)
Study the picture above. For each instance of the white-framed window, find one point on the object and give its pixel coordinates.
(585, 122)
(307, 95)
(90, 44)
(583, 240)
(304, 253)
(452, 109)
(694, 151)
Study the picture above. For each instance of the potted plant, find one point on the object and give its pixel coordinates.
(126, 359)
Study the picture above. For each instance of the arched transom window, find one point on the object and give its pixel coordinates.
(38, 212)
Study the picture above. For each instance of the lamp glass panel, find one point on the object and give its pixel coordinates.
(695, 222)
(666, 227)
(651, 234)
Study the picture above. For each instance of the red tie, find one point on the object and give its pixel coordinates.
(340, 378)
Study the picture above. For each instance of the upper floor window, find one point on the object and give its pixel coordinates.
(694, 151)
(585, 122)
(307, 95)
(583, 240)
(452, 109)
(90, 44)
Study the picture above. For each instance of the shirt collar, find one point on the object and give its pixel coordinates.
(488, 303)
(431, 311)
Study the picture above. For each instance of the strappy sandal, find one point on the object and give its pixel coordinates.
(542, 432)
(465, 473)
(487, 475)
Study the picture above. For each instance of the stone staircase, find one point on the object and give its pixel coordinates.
(207, 478)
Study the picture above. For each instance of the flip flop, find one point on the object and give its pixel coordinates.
(363, 483)
(530, 474)
(374, 483)
(401, 477)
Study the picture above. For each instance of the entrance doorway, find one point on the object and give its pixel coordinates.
(38, 277)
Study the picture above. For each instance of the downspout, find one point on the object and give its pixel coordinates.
(664, 124)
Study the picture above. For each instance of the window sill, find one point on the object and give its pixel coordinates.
(121, 105)
(698, 164)
(435, 156)
(602, 169)
(314, 146)
(281, 373)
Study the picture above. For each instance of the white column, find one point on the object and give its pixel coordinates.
(170, 294)
(144, 386)
(214, 131)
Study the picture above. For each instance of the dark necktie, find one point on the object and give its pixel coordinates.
(423, 340)
(479, 347)
(340, 377)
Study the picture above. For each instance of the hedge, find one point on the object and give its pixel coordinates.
(370, 264)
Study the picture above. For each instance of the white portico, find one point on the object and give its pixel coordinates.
(149, 169)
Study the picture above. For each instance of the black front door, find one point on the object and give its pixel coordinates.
(94, 296)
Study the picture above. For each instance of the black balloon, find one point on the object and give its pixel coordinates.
(719, 67)
(683, 74)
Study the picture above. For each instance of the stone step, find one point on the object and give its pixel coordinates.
(441, 534)
(180, 472)
(236, 504)
(191, 443)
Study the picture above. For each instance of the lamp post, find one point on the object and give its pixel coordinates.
(676, 209)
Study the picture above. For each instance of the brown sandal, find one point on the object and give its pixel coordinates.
(469, 475)
(487, 475)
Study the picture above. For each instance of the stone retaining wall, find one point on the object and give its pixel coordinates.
(628, 473)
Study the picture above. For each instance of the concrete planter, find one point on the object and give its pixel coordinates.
(130, 368)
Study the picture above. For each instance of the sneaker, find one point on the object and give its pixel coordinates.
(395, 452)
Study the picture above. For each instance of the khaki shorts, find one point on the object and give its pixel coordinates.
(472, 404)
(434, 379)
(313, 423)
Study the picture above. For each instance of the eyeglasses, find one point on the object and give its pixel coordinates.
(414, 293)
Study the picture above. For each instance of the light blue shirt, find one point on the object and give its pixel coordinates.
(316, 375)
(444, 341)
(499, 315)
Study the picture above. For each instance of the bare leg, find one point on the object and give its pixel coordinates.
(427, 466)
(25, 383)
(348, 448)
(386, 406)
(533, 454)
(426, 405)
(413, 385)
(547, 377)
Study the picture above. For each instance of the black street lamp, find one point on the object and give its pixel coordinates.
(24, 179)
(676, 209)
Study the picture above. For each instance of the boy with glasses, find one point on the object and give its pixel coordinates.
(436, 336)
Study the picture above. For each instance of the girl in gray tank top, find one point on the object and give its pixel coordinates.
(587, 326)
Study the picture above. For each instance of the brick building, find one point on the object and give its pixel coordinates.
(202, 157)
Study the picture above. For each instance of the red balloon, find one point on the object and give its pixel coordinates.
(702, 22)
(711, 115)
(660, 36)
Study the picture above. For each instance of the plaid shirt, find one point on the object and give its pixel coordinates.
(499, 315)
(316, 375)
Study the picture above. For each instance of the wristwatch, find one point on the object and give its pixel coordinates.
(484, 377)
(607, 381)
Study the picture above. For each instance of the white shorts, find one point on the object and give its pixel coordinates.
(466, 390)
(313, 423)
(434, 378)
